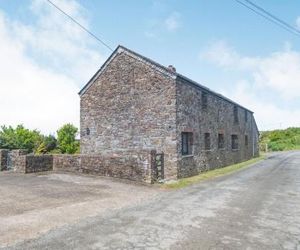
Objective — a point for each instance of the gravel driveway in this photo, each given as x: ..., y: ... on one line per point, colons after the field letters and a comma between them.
x: 32, y: 204
x: 256, y: 208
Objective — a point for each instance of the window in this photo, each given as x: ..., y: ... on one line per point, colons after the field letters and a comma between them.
x: 87, y: 131
x: 221, y: 141
x: 235, y: 114
x: 246, y: 140
x: 204, y: 100
x: 234, y: 142
x: 246, y: 116
x: 187, y: 143
x: 207, y: 141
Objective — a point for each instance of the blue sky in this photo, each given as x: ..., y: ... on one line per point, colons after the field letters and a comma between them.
x: 220, y: 44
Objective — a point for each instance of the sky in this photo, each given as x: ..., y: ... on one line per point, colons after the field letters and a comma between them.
x: 45, y: 59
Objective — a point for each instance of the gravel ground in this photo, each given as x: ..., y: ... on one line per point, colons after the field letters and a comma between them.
x: 255, y: 208
x: 33, y: 204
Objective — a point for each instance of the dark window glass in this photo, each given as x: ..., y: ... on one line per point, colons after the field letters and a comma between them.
x: 207, y: 141
x: 187, y: 143
x: 235, y: 114
x: 204, y: 100
x: 221, y: 141
x: 234, y: 142
x: 246, y: 140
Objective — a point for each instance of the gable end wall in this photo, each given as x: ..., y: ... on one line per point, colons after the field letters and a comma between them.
x: 130, y: 106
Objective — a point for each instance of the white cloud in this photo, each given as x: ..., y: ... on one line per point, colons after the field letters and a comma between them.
x: 159, y: 26
x: 298, y: 23
x: 42, y: 67
x: 280, y: 71
x: 268, y: 115
x: 172, y: 22
x: 277, y: 75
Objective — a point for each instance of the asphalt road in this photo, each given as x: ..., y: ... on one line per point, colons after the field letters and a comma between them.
x: 256, y: 208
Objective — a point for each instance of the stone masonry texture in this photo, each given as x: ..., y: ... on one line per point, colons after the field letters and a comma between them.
x: 3, y: 159
x: 68, y: 163
x: 132, y: 105
x: 132, y: 165
x: 217, y: 118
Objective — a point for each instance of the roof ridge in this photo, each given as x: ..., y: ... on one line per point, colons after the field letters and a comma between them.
x: 164, y: 68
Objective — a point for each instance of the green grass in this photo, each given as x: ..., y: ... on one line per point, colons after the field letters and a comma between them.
x: 181, y: 183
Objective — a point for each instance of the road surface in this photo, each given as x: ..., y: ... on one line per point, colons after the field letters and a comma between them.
x: 256, y: 208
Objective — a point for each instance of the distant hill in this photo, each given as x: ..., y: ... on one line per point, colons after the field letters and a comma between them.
x: 279, y: 140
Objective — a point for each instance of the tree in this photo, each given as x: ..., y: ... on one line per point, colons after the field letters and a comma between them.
x: 66, y: 138
x: 50, y: 143
x: 20, y: 138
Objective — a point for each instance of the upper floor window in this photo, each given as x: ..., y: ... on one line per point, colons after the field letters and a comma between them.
x: 221, y: 141
x: 204, y: 100
x: 235, y: 114
x: 234, y: 142
x: 246, y: 140
x: 207, y: 141
x: 246, y: 116
x: 187, y: 143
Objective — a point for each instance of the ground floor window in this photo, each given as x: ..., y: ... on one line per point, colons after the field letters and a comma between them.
x: 234, y: 142
x: 246, y: 140
x: 187, y: 143
x: 221, y: 141
x: 207, y: 141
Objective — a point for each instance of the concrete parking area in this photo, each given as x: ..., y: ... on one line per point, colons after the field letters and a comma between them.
x: 33, y: 204
x: 257, y: 207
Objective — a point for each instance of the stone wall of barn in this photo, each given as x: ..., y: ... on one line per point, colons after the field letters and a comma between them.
x: 216, y: 118
x: 131, y: 106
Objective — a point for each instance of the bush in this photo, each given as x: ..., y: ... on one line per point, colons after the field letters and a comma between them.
x: 279, y: 140
x: 20, y: 138
x: 66, y: 137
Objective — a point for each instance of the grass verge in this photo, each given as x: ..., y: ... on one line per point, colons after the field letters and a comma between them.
x: 211, y: 174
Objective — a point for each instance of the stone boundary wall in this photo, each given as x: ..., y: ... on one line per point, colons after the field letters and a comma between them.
x: 33, y: 163
x: 126, y: 165
x: 3, y: 159
x: 20, y: 164
x: 69, y: 163
x: 12, y: 157
x: 38, y: 163
x: 131, y: 165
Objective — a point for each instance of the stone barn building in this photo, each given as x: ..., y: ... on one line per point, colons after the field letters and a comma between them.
x: 133, y: 103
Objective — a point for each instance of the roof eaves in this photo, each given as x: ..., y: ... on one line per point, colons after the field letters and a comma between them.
x: 196, y: 84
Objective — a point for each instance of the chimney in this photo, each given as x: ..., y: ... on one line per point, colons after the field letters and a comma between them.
x: 172, y: 68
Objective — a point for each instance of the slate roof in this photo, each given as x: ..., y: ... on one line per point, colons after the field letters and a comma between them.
x: 159, y: 67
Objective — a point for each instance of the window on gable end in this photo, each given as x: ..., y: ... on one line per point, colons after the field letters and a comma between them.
x: 235, y: 114
x: 204, y: 100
